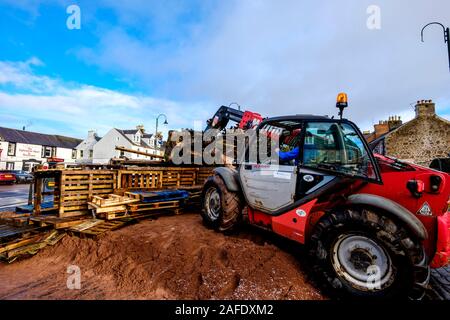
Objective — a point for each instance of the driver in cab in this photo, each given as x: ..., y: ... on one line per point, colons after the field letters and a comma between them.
x: 291, y: 149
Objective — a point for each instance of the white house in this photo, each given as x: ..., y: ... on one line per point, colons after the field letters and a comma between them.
x: 85, y: 150
x: 21, y: 150
x: 136, y: 139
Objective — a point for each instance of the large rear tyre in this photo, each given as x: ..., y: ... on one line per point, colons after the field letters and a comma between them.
x: 222, y: 209
x: 362, y: 253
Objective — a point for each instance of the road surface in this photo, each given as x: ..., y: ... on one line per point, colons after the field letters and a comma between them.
x: 13, y: 195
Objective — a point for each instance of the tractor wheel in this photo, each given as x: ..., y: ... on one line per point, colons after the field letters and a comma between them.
x: 362, y: 253
x: 222, y: 209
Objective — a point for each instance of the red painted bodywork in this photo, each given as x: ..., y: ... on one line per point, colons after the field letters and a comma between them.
x: 442, y: 255
x: 293, y: 226
x: 250, y: 120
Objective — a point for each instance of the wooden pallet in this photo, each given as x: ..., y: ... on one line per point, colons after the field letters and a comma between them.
x: 15, y: 219
x: 17, y: 243
x: 29, y: 245
x: 112, y: 200
x: 139, y: 207
x: 98, y: 229
x: 56, y: 222
x: 126, y: 216
x: 111, y: 204
x: 74, y: 188
x: 85, y: 225
x: 9, y: 232
x: 161, y: 178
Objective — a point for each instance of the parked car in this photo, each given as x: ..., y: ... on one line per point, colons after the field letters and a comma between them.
x: 7, y: 177
x: 23, y: 176
x: 441, y: 164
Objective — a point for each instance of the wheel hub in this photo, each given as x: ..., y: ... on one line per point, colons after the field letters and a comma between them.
x: 362, y: 262
x: 361, y: 259
x: 212, y: 203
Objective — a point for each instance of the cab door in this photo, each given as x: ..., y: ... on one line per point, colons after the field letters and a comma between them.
x: 269, y: 186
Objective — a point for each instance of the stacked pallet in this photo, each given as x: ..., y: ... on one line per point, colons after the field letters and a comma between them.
x: 162, y: 200
x: 79, y: 186
x: 156, y: 179
x: 16, y: 242
x: 137, y: 204
x: 111, y: 206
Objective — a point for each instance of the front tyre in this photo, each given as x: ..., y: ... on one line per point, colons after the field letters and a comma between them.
x: 363, y: 253
x: 222, y: 209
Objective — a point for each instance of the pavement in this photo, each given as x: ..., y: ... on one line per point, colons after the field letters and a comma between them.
x: 440, y: 283
x: 13, y: 195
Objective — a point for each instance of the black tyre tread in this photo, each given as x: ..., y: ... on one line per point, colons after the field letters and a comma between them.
x: 390, y: 232
x: 231, y: 203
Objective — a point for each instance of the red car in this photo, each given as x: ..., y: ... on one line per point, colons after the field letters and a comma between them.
x: 7, y: 177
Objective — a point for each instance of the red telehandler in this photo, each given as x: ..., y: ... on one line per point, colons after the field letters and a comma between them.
x: 373, y: 225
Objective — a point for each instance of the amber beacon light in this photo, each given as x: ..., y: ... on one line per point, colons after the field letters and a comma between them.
x: 341, y: 103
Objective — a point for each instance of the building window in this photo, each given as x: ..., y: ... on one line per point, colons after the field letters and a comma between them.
x: 91, y: 154
x: 48, y: 152
x: 11, y: 149
x: 81, y: 153
x: 309, y: 140
x: 10, y: 166
x: 74, y: 153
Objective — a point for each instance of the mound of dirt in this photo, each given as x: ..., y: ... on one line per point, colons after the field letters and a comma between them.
x: 168, y: 258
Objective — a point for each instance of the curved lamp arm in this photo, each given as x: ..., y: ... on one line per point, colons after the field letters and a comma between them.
x: 446, y: 36
x: 439, y: 24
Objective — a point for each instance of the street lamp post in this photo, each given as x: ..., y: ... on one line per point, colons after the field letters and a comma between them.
x: 156, y: 131
x: 446, y: 36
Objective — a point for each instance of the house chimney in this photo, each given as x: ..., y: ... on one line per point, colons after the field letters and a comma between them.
x: 425, y: 108
x: 92, y: 134
x: 381, y: 128
x: 394, y: 122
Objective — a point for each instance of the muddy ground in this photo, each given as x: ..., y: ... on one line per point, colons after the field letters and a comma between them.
x: 173, y: 257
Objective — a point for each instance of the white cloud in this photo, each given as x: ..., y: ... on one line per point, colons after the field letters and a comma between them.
x: 77, y: 108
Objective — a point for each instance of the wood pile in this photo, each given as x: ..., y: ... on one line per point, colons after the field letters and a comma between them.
x: 73, y: 189
x: 16, y: 242
x: 115, y: 198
